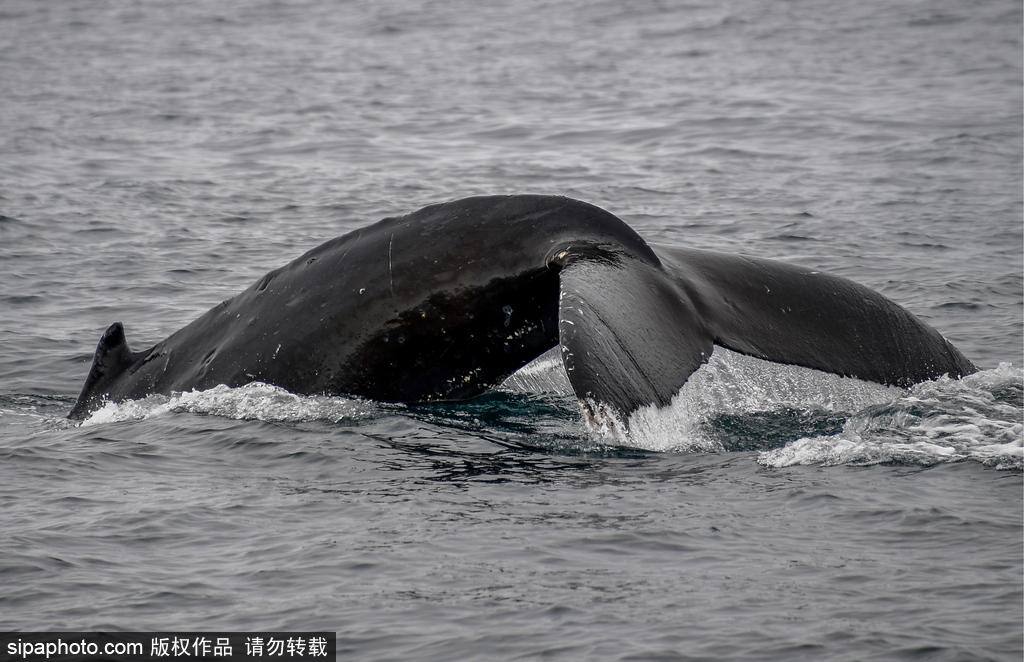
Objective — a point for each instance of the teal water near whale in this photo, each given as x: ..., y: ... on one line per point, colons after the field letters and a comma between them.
x: 161, y: 157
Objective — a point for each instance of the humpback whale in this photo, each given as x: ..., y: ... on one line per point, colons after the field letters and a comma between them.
x: 446, y: 302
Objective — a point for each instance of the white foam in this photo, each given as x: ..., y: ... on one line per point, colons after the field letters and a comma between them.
x: 978, y: 418
x: 256, y: 401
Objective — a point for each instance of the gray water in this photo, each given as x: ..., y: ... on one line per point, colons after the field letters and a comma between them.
x: 159, y: 157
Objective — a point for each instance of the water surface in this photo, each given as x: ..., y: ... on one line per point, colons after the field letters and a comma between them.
x: 160, y: 157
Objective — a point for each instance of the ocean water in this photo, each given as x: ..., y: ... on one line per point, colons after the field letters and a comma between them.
x: 160, y: 157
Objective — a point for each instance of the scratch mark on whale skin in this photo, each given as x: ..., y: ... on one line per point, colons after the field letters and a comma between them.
x: 391, y: 273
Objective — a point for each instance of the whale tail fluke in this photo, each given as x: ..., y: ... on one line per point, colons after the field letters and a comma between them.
x: 112, y: 358
x: 631, y: 333
x: 798, y: 316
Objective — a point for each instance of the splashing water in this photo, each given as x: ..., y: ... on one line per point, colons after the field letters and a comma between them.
x: 790, y: 415
x: 545, y: 374
x: 736, y: 402
x: 255, y: 401
x: 731, y: 384
x: 977, y: 418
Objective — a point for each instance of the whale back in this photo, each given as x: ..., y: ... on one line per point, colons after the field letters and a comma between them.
x: 440, y: 304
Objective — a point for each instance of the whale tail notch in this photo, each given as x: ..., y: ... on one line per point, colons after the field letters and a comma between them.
x: 112, y: 358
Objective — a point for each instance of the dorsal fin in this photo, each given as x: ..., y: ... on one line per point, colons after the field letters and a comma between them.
x: 111, y: 359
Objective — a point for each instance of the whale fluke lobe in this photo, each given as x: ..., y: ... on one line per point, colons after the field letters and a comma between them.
x: 629, y: 337
x: 790, y: 314
x: 446, y: 302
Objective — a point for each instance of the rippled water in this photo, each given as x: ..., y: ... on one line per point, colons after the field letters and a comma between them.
x: 160, y: 157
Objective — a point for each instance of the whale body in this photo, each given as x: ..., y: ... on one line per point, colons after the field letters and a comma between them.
x: 446, y: 302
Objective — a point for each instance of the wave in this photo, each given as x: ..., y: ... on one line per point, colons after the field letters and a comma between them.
x: 796, y: 416
x: 786, y: 414
x: 975, y: 418
x: 256, y: 402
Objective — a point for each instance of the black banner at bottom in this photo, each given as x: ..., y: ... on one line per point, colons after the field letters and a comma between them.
x: 167, y: 646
